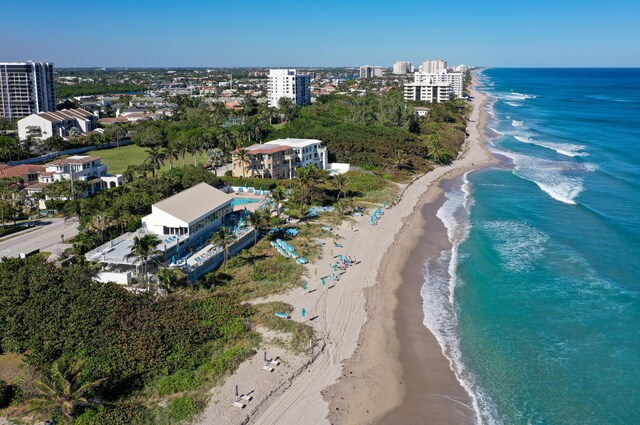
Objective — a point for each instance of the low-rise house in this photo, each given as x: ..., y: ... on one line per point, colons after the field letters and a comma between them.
x: 60, y: 123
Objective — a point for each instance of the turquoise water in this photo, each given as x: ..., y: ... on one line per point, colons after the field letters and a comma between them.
x: 242, y: 201
x: 538, y: 303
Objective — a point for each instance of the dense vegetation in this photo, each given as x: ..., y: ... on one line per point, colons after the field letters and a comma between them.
x: 381, y: 133
x: 124, y: 340
x: 82, y: 89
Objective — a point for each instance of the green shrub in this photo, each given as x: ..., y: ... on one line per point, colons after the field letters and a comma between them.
x: 182, y: 408
x: 119, y: 414
x: 181, y: 380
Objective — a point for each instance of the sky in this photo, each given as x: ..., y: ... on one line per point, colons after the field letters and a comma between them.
x: 278, y: 33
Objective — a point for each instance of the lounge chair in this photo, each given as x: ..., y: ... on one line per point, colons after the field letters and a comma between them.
x: 246, y: 397
x: 239, y: 405
x: 275, y: 362
x: 267, y: 368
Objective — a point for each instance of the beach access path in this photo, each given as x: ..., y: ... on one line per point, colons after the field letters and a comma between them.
x: 339, y: 314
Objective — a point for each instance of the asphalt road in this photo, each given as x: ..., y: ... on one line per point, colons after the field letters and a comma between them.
x: 45, y: 236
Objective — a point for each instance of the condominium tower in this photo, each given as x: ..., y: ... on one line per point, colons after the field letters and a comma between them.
x: 289, y: 84
x: 26, y: 88
x: 433, y: 66
x: 402, y: 67
x: 368, y: 71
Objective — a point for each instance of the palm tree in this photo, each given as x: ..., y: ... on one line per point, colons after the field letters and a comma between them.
x: 63, y: 390
x: 195, y: 147
x: 437, y: 151
x: 216, y: 158
x: 170, y: 278
x: 306, y: 176
x: 100, y: 223
x: 143, y: 248
x: 278, y: 196
x: 224, y: 240
x: 243, y: 159
x: 171, y: 153
x: 183, y: 147
x: 341, y: 184
x: 226, y: 138
x: 156, y: 158
x: 256, y: 219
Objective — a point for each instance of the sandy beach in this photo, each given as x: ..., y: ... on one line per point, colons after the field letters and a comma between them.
x: 373, y: 360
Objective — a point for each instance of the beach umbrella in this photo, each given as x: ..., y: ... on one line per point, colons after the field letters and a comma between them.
x: 237, y: 393
x: 304, y: 312
x: 322, y: 278
x: 304, y: 285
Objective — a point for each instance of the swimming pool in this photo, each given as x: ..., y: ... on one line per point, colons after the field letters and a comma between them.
x: 242, y: 201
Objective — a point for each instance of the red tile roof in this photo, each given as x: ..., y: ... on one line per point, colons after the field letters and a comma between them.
x: 20, y: 170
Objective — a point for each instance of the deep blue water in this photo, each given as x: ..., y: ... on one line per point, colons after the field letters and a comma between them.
x: 538, y: 303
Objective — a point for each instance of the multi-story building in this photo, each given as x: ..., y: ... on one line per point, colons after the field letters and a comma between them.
x: 427, y: 91
x: 266, y: 161
x: 26, y: 88
x: 368, y: 71
x: 455, y: 79
x: 433, y: 66
x: 47, y: 124
x: 280, y: 158
x: 287, y: 83
x: 402, y: 67
x: 89, y: 169
x: 305, y: 152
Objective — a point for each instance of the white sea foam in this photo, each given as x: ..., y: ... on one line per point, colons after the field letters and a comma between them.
x: 514, y: 104
x: 566, y: 149
x: 438, y: 293
x: 517, y: 123
x: 551, y: 176
x: 519, y: 245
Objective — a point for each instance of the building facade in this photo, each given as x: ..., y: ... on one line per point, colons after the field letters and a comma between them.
x: 402, y: 67
x: 305, y: 152
x: 368, y: 71
x: 266, y: 161
x: 288, y: 83
x: 26, y: 88
x: 47, y: 124
x: 455, y: 79
x: 433, y: 66
x: 427, y: 91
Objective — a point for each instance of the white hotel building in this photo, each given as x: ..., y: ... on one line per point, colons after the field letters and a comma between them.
x: 289, y: 84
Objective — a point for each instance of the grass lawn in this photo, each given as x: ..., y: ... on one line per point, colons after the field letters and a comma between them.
x: 118, y: 159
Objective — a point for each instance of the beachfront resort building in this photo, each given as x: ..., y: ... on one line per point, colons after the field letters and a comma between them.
x: 402, y: 67
x: 26, y: 88
x: 288, y: 83
x: 61, y: 123
x: 183, y: 224
x: 279, y: 159
x: 368, y: 71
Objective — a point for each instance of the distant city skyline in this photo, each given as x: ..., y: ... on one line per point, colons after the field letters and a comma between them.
x: 287, y: 33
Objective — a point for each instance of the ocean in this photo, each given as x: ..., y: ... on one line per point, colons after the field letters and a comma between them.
x: 538, y: 302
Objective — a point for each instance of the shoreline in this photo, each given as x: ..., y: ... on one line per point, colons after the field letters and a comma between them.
x: 400, y: 374
x: 321, y: 389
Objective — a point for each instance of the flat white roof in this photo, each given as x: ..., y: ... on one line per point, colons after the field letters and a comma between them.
x: 295, y: 143
x: 194, y: 202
